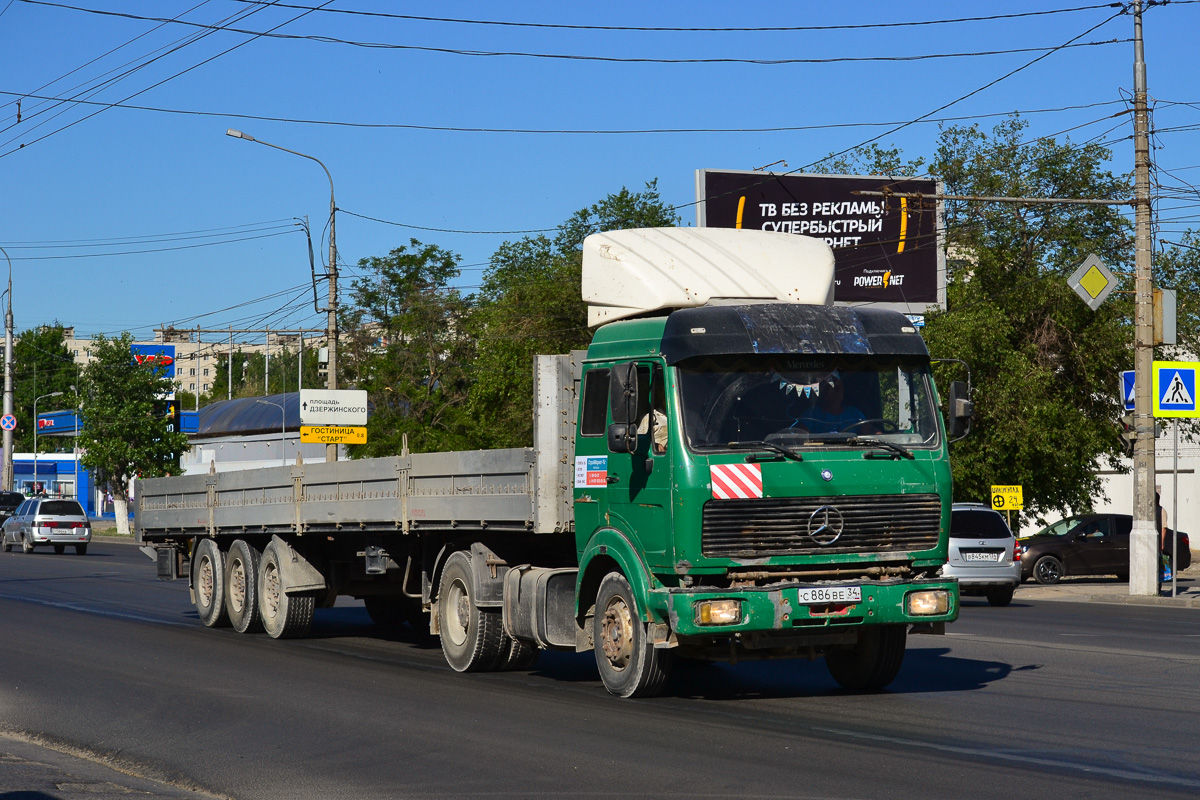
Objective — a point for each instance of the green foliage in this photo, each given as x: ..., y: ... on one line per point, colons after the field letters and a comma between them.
x: 530, y: 303
x: 125, y: 431
x: 405, y: 344
x: 41, y: 365
x: 870, y: 160
x: 1043, y: 365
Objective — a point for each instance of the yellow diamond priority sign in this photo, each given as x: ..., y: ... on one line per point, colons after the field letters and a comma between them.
x: 1007, y: 498
x: 1092, y: 281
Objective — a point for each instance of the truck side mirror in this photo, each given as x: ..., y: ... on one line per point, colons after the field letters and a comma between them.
x: 623, y: 393
x: 622, y: 438
x: 961, y: 410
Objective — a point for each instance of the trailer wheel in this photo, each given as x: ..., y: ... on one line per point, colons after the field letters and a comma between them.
x: 629, y: 664
x: 472, y: 637
x: 208, y: 583
x: 241, y: 587
x: 283, y: 616
x: 521, y: 655
x: 871, y: 664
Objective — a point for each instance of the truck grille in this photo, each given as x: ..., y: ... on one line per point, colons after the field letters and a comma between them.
x: 781, y: 526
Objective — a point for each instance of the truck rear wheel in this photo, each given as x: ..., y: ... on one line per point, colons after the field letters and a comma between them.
x: 283, y: 616
x: 871, y: 664
x: 208, y: 583
x: 629, y: 664
x: 472, y: 638
x: 241, y: 587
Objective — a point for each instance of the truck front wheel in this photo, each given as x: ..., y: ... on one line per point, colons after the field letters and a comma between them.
x: 284, y: 616
x: 241, y: 587
x: 629, y: 664
x: 871, y: 664
x: 472, y: 638
x: 208, y: 583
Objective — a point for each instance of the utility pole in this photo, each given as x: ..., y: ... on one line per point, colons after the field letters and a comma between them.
x: 6, y: 479
x: 1144, y: 541
x: 331, y: 326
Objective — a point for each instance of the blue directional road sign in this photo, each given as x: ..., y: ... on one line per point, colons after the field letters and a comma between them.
x: 1175, y: 388
x: 1127, y: 389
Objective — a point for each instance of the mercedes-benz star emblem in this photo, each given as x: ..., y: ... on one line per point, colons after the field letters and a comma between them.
x: 825, y: 525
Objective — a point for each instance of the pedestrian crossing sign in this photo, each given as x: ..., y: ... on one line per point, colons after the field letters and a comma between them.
x: 1175, y: 388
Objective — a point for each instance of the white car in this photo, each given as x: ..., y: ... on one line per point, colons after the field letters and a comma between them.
x: 47, y: 521
x: 982, y: 553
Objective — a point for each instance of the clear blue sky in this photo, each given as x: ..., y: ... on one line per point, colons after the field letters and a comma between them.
x: 143, y: 179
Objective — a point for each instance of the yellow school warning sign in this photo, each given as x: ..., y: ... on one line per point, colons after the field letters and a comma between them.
x: 333, y: 434
x: 1007, y: 498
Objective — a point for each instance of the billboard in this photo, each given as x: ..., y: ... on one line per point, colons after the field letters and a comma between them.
x: 161, y: 356
x: 887, y: 250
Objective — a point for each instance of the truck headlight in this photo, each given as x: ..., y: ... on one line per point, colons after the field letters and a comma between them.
x: 718, y: 612
x: 927, y: 603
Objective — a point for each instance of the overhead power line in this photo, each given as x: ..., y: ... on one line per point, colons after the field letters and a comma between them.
x: 274, y: 34
x: 564, y: 131
x: 726, y: 29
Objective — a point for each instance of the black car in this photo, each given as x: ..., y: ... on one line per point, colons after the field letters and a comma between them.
x: 1086, y: 544
x: 8, y: 504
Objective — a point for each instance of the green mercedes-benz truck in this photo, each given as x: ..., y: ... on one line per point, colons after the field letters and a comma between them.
x: 736, y: 468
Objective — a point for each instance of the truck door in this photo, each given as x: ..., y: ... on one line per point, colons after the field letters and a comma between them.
x: 641, y: 497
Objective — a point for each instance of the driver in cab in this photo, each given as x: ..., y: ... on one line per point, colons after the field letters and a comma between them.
x: 832, y: 414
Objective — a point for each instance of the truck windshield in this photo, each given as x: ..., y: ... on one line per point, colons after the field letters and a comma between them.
x: 795, y: 400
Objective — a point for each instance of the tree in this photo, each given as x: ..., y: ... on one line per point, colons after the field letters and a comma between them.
x: 405, y: 344
x: 531, y: 303
x: 1178, y: 267
x: 42, y: 364
x: 125, y: 431
x: 1043, y: 365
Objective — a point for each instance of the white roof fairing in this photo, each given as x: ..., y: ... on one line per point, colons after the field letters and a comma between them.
x: 631, y: 272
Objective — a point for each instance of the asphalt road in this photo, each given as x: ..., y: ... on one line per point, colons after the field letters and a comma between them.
x: 1040, y: 699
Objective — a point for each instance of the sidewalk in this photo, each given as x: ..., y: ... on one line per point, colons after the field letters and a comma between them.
x: 1111, y: 590
x: 29, y: 769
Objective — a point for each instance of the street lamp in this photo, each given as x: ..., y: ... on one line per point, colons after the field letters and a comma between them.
x: 331, y: 324
x: 282, y: 430
x: 35, y: 430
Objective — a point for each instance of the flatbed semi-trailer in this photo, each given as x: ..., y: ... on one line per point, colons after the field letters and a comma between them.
x: 735, y: 468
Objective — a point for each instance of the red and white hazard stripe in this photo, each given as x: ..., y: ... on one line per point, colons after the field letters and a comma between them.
x: 736, y: 481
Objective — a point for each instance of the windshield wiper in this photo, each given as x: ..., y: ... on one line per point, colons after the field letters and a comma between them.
x: 787, y: 452
x: 871, y: 442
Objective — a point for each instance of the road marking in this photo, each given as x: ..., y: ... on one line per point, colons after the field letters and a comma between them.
x: 100, y: 612
x: 1023, y: 757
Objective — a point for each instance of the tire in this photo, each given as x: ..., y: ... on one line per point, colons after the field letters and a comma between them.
x: 520, y: 656
x: 208, y: 583
x: 81, y: 549
x: 473, y: 638
x: 1048, y: 570
x: 629, y: 664
x: 283, y: 616
x: 873, y: 663
x: 26, y: 545
x: 999, y: 595
x: 241, y: 587
x: 5, y: 546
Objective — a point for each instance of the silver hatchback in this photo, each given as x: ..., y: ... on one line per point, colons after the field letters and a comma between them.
x: 47, y: 521
x: 981, y: 553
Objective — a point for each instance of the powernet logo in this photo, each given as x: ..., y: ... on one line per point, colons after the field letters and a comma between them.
x: 879, y: 280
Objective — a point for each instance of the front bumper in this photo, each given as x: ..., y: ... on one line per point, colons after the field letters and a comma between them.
x: 778, y: 607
